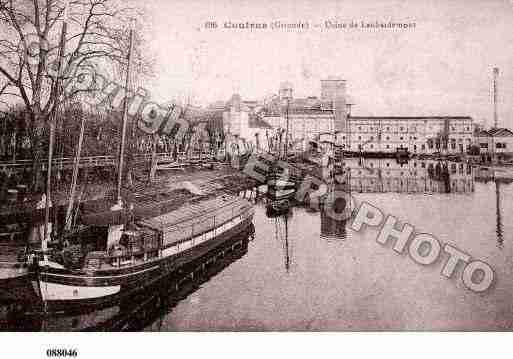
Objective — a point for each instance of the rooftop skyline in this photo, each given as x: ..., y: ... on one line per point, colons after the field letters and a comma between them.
x: 442, y: 66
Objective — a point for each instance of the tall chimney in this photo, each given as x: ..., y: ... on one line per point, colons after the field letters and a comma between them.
x: 495, y: 97
x: 333, y: 93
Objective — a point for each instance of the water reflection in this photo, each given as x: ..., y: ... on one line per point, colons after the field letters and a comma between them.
x: 314, y: 284
x: 280, y: 221
x: 414, y: 176
x: 331, y: 228
x: 138, y: 311
x: 499, y: 230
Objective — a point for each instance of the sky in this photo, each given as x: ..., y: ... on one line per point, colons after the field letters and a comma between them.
x: 442, y: 66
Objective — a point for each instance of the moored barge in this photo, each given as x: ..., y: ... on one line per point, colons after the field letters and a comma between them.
x: 127, y: 260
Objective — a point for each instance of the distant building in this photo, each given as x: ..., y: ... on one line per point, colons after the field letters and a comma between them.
x: 236, y: 117
x: 329, y: 118
x: 240, y: 119
x: 495, y: 141
x: 309, y: 117
x: 420, y: 135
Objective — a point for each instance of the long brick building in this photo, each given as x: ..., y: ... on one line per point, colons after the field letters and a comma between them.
x: 328, y: 117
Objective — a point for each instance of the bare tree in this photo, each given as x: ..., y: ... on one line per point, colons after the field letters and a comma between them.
x: 29, y: 47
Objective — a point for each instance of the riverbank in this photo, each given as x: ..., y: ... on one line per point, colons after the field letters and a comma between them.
x: 220, y: 178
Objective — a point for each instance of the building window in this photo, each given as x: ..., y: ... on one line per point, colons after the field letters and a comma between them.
x: 359, y: 128
x: 388, y: 146
x: 388, y: 128
x: 371, y: 146
x: 359, y: 138
x: 388, y: 138
x: 372, y: 138
x: 402, y: 128
x: 401, y: 138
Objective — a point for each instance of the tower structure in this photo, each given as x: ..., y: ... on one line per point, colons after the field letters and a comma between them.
x: 495, y: 97
x: 333, y: 94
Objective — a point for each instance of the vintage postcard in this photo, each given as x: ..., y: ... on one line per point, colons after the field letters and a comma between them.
x: 171, y: 166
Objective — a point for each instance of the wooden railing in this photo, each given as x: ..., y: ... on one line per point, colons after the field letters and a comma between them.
x: 99, y: 161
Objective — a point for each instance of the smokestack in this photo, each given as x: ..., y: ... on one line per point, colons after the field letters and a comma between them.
x: 495, y: 97
x: 333, y: 93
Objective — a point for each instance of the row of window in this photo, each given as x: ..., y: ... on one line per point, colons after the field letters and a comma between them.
x: 402, y: 138
x: 371, y: 138
x: 412, y: 129
x: 453, y: 167
x: 431, y: 186
x: 497, y: 145
x: 415, y: 147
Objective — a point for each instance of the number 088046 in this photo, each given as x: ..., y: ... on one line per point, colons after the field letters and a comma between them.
x: 61, y: 353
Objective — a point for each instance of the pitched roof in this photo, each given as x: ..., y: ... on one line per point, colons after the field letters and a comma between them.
x: 500, y: 132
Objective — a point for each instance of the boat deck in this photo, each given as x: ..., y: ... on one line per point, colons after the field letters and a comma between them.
x: 197, y: 218
x: 192, y: 211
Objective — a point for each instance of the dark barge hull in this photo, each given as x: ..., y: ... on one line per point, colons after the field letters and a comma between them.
x: 17, y: 288
x: 172, y: 289
x: 133, y: 280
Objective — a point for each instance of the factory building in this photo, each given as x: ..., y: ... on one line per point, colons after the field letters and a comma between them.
x: 312, y: 116
x: 495, y: 141
x: 419, y: 135
x: 328, y: 117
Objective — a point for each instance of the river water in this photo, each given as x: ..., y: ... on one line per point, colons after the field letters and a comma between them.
x: 322, y: 275
x: 307, y: 271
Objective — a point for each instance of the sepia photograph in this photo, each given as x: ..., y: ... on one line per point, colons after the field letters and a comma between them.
x: 255, y: 166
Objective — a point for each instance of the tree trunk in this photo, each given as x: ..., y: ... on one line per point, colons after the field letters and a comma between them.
x: 36, y: 166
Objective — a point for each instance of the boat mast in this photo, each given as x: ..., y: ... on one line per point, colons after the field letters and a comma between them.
x: 76, y: 164
x: 287, y: 131
x: 125, y: 115
x: 52, y: 121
